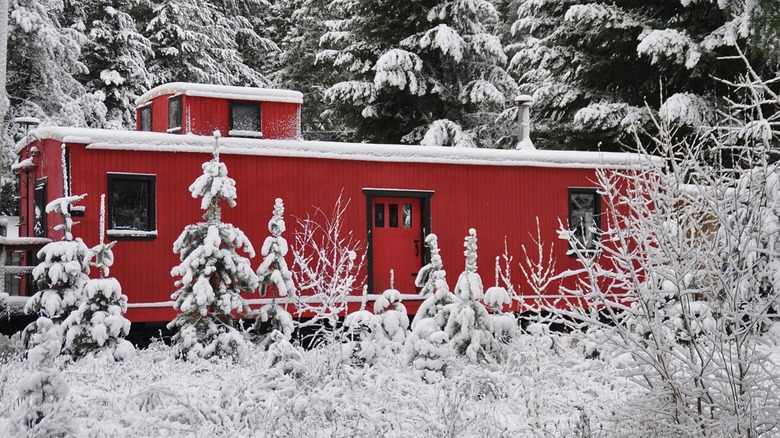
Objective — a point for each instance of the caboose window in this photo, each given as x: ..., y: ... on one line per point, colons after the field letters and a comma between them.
x: 584, y: 218
x: 244, y: 119
x: 131, y: 205
x: 174, y: 113
x: 146, y: 118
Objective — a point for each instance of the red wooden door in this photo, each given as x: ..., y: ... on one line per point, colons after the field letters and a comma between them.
x: 397, y: 240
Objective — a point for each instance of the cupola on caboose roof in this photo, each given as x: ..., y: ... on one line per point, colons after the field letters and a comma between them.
x: 188, y: 108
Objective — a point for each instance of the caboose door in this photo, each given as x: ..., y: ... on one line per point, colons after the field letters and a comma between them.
x: 397, y: 237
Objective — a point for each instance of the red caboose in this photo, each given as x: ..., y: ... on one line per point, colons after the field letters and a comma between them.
x: 398, y: 193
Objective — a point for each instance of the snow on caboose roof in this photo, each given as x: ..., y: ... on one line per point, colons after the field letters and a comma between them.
x: 163, y: 142
x: 221, y: 91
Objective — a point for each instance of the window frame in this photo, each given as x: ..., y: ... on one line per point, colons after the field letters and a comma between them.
x: 145, y: 113
x: 151, y: 218
x: 233, y: 132
x: 591, y: 249
x: 175, y: 99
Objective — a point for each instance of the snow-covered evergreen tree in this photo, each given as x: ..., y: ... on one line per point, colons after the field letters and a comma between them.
x: 99, y: 325
x: 60, y: 277
x: 198, y: 42
x: 44, y: 51
x: 213, y: 275
x: 593, y: 67
x: 115, y: 54
x: 431, y: 272
x: 427, y: 346
x: 273, y: 270
x: 468, y: 325
x: 415, y: 71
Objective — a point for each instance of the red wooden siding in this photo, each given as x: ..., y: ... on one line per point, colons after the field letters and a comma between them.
x: 281, y: 120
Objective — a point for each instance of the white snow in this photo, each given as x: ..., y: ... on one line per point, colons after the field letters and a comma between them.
x: 153, y: 141
x: 222, y: 92
x: 27, y: 163
x: 537, y: 391
x: 669, y: 44
x: 131, y: 233
x: 244, y: 133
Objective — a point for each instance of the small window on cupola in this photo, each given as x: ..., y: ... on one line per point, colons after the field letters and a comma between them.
x: 245, y: 119
x: 174, y: 114
x: 146, y: 118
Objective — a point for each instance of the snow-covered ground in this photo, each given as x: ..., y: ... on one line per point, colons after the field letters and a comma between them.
x: 544, y: 387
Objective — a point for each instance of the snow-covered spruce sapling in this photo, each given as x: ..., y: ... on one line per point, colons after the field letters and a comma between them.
x: 99, y: 325
x: 468, y: 326
x: 213, y: 275
x: 274, y: 274
x: 428, y: 274
x: 273, y: 270
x: 60, y: 277
x: 427, y: 347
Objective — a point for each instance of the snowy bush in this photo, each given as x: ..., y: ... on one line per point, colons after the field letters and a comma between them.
x: 503, y: 325
x: 431, y: 272
x: 327, y: 267
x: 273, y: 318
x: 41, y: 411
x: 361, y: 344
x: 687, y: 279
x: 212, y: 273
x: 392, y: 319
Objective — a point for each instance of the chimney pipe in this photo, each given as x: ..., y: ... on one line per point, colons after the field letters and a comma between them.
x: 524, y: 103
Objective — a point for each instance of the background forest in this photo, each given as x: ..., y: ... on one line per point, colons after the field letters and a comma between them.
x: 419, y: 72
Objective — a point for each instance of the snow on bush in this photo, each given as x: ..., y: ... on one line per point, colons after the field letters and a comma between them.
x: 295, y: 392
x: 392, y: 319
x: 431, y: 272
x: 212, y: 273
x: 503, y: 325
x: 361, y: 345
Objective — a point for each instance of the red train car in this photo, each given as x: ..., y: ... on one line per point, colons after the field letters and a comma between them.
x: 397, y: 193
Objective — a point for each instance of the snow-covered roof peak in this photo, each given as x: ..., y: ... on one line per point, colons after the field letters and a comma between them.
x: 221, y: 91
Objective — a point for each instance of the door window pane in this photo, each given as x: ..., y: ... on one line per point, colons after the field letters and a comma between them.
x: 407, y: 215
x: 379, y: 215
x: 393, y: 213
